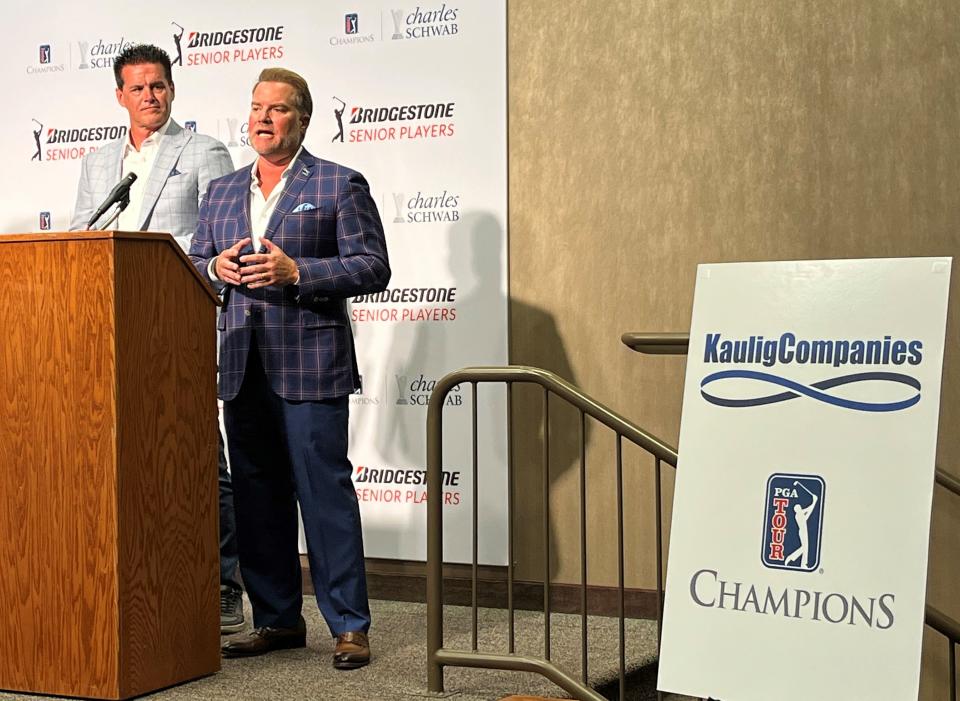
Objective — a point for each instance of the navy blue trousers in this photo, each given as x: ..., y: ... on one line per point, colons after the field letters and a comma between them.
x: 281, y: 453
x: 228, y: 525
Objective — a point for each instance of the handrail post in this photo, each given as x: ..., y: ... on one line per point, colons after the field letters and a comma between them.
x: 435, y: 538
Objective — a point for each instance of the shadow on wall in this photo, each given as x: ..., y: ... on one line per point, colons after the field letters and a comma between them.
x: 471, y: 332
x: 475, y: 266
x: 528, y: 447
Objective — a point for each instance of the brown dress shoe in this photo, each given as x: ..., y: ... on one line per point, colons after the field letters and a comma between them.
x: 352, y: 651
x: 266, y: 639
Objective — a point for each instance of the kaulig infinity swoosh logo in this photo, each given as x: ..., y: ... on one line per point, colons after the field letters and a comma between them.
x: 787, y: 349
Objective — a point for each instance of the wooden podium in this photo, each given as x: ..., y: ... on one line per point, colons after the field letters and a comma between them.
x: 109, y: 582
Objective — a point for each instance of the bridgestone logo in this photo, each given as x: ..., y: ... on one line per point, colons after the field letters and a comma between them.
x: 72, y: 136
x: 410, y: 295
x: 257, y: 35
x: 363, y: 115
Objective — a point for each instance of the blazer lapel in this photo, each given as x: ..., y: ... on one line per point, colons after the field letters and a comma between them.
x: 171, y: 145
x: 299, y: 174
x: 243, y: 194
x: 119, y: 144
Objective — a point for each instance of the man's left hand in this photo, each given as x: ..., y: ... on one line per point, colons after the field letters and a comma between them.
x: 271, y: 268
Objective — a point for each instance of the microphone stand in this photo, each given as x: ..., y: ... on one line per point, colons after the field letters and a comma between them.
x: 121, y: 205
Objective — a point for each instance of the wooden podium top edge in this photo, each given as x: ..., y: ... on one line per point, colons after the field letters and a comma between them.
x: 82, y: 236
x: 39, y: 237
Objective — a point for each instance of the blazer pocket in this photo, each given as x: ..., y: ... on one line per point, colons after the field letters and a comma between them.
x: 305, y: 221
x: 319, y: 212
x: 313, y: 320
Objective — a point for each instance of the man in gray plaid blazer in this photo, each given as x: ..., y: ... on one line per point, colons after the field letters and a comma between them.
x: 174, y: 168
x: 183, y: 162
x: 292, y: 237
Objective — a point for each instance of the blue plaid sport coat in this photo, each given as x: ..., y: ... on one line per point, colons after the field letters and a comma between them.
x: 328, y: 223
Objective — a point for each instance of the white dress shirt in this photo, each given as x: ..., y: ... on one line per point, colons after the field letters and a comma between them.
x: 139, y: 162
x: 261, y: 208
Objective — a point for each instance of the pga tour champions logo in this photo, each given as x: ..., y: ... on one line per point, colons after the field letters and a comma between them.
x: 792, y: 540
x: 351, y: 32
x: 45, y: 63
x: 793, y: 522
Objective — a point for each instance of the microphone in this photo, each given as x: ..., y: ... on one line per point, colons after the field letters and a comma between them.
x: 119, y: 193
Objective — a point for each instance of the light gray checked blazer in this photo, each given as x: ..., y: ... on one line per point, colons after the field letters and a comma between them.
x: 185, y: 165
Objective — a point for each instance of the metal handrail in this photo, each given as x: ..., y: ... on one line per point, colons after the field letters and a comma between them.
x: 437, y: 656
x: 657, y: 343
x: 942, y: 623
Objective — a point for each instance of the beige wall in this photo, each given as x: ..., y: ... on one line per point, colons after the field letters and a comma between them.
x: 647, y: 136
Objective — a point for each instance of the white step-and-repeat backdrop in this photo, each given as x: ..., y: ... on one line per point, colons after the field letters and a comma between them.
x: 411, y: 94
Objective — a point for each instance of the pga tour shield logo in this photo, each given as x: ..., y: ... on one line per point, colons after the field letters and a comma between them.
x: 793, y: 522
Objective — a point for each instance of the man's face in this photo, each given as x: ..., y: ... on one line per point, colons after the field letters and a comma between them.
x: 276, y: 127
x: 146, y: 94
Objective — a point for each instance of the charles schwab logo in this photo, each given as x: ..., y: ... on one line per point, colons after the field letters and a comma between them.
x: 408, y: 122
x: 71, y: 143
x: 793, y: 522
x: 215, y: 46
x: 406, y: 304
x: 790, y: 350
x: 425, y: 207
x: 45, y: 62
x: 416, y: 390
x: 425, y: 22
x: 351, y: 32
x: 233, y: 131
x: 99, y: 53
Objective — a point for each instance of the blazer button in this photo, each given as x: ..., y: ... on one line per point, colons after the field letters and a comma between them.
x: 247, y: 312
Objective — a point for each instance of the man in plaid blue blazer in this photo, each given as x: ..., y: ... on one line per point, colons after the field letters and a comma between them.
x: 291, y: 238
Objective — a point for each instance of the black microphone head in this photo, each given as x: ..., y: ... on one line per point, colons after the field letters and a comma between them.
x: 119, y: 193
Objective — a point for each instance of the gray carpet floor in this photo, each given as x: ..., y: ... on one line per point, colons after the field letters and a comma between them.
x: 398, y: 669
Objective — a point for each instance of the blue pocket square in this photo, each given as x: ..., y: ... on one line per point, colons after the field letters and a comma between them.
x: 304, y: 207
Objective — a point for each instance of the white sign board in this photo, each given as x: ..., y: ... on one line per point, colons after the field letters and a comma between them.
x: 798, y: 552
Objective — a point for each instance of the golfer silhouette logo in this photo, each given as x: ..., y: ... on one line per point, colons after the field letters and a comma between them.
x: 793, y: 522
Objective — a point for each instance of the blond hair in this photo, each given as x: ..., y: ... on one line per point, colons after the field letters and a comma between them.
x: 301, y: 93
